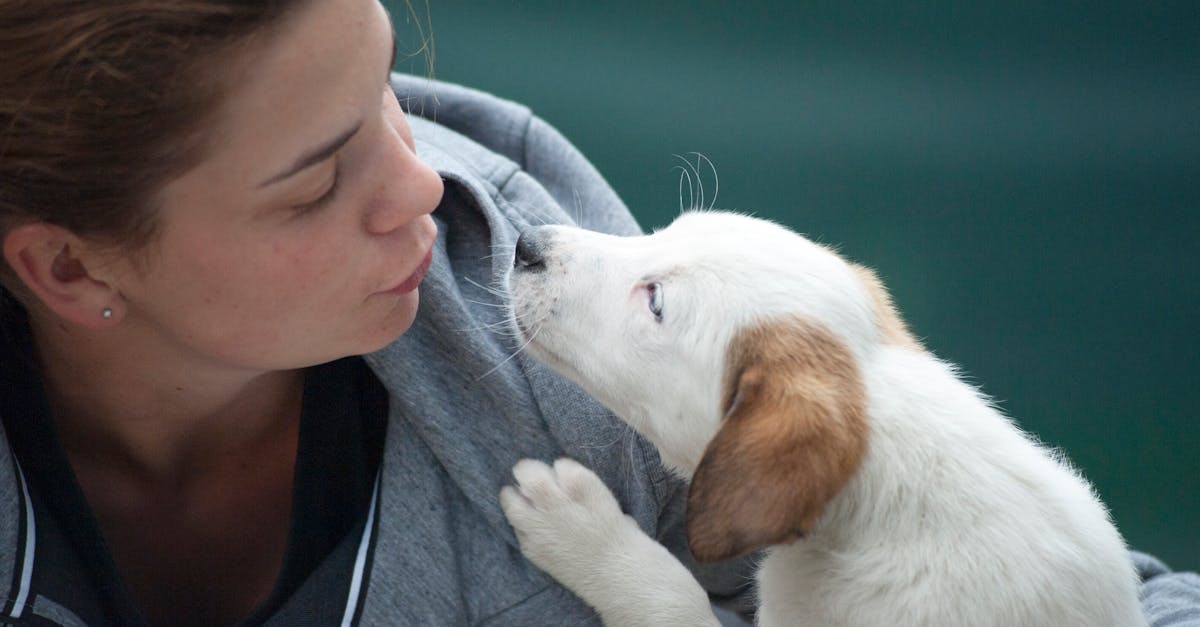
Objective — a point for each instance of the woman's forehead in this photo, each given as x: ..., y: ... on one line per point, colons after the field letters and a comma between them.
x: 298, y: 88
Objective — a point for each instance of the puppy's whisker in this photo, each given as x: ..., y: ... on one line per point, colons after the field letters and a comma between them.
x: 500, y: 327
x: 495, y: 291
x: 685, y: 171
x: 514, y: 354
x: 499, y: 252
x: 543, y: 217
x: 603, y: 445
x: 578, y: 217
x: 685, y: 175
x: 540, y: 215
x: 483, y: 304
x: 691, y: 176
x: 699, y: 183
x: 716, y: 179
x: 536, y: 323
x: 497, y: 324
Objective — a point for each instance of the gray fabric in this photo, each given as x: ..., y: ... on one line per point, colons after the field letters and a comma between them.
x: 56, y: 613
x: 1169, y: 599
x: 10, y: 519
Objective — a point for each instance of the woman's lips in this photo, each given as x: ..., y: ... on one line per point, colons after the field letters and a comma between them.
x: 414, y: 279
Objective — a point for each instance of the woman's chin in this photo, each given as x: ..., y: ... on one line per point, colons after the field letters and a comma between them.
x: 396, y: 322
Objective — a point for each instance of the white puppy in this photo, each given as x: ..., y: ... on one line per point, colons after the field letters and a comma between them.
x: 778, y: 378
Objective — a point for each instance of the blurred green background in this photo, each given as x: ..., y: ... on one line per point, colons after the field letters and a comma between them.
x: 1025, y: 177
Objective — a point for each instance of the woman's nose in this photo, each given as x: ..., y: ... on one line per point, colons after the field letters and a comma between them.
x: 408, y: 190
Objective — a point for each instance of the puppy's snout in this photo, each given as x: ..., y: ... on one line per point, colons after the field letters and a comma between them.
x: 531, y: 247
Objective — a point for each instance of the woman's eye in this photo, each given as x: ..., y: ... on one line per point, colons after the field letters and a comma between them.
x: 656, y: 300
x: 323, y: 199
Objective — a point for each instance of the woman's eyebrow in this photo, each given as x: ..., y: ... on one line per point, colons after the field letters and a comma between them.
x: 324, y: 151
x: 315, y: 156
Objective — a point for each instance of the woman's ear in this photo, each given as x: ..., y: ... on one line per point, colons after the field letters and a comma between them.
x: 49, y: 260
x: 794, y: 432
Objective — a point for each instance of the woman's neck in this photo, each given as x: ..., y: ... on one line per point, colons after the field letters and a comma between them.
x: 160, y: 416
x: 202, y: 455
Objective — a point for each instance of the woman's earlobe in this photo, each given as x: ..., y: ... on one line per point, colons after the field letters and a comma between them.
x: 46, y: 259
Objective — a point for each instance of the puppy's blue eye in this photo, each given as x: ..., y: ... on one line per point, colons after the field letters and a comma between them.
x: 656, y: 300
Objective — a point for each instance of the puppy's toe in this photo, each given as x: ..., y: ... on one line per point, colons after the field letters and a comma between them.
x: 512, y: 502
x: 567, y: 493
x: 531, y: 471
x: 537, y: 482
x: 581, y: 484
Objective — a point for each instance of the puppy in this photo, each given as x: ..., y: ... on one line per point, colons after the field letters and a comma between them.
x: 779, y: 379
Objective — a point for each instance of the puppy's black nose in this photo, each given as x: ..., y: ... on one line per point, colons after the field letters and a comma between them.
x: 530, y: 248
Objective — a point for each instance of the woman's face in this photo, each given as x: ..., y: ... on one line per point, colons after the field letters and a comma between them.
x: 302, y: 235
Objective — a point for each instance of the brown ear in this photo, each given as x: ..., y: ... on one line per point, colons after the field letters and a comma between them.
x: 794, y: 432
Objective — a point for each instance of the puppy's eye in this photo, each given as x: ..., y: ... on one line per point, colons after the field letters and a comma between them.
x: 656, y: 300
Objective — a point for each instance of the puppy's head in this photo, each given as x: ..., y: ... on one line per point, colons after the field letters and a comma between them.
x: 732, y: 344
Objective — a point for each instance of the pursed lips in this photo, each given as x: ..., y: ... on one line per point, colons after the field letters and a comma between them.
x: 413, y: 280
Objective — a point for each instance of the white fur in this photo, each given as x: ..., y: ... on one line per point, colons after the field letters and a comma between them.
x: 954, y: 517
x: 569, y: 524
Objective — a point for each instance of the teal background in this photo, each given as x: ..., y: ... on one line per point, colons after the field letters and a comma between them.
x: 1025, y: 177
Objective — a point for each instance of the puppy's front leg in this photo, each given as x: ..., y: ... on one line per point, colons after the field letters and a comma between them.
x: 570, y: 525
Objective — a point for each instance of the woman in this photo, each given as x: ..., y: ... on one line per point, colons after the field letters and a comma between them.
x: 209, y: 208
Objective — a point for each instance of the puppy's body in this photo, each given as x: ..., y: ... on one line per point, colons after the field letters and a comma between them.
x: 778, y: 379
x: 954, y: 518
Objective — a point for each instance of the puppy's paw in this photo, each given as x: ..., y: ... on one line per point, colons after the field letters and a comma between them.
x: 570, y: 525
x: 564, y: 516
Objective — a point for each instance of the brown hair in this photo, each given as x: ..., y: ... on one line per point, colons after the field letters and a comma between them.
x: 101, y: 104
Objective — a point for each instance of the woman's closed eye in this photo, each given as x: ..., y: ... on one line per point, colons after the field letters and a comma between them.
x: 325, y: 198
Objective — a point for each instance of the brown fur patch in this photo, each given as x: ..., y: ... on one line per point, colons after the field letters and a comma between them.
x: 794, y: 432
x: 891, y: 327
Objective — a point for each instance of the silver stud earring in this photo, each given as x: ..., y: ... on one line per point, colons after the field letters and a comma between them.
x: 107, y: 313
